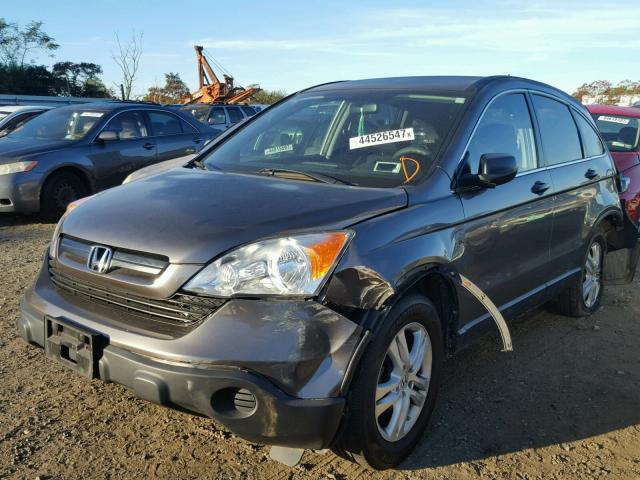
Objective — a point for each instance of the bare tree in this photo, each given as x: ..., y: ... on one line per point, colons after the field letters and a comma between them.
x: 128, y: 59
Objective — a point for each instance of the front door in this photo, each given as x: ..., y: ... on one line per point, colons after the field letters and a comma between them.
x: 133, y: 149
x: 508, y: 228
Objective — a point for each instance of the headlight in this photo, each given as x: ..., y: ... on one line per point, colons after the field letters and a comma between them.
x: 296, y: 265
x: 17, y: 167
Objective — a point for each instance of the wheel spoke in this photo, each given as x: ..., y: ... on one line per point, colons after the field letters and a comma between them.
x: 418, y: 396
x: 387, y: 402
x: 394, y: 355
x: 399, y: 418
x: 586, y: 288
x: 418, y: 351
x: 386, y: 387
x: 403, y: 350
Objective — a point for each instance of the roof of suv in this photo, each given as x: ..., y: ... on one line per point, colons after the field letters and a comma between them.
x: 469, y: 84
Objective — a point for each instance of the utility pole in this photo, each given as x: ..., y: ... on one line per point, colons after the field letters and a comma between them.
x: 122, y: 91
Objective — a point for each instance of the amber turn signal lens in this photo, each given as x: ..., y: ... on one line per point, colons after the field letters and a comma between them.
x: 75, y: 204
x: 323, y: 254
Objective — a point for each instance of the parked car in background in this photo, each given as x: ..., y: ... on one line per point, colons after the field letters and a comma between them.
x: 620, y: 129
x: 157, y: 168
x: 219, y: 116
x: 303, y: 279
x: 14, y: 116
x: 73, y: 151
x: 258, y: 107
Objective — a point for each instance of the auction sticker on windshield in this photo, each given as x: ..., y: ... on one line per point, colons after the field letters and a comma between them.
x: 278, y: 149
x: 91, y: 114
x: 390, y: 136
x: 605, y: 118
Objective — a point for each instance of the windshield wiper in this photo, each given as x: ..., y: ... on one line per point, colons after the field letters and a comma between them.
x: 316, y: 177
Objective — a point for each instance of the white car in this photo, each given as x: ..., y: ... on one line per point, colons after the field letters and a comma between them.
x: 13, y: 116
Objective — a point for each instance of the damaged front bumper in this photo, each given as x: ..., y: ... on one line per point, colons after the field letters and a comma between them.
x: 273, y: 372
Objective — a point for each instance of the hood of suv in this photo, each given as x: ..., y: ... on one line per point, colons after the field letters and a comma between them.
x: 12, y: 149
x: 192, y: 216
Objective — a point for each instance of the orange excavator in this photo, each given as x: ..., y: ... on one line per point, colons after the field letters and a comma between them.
x: 212, y: 90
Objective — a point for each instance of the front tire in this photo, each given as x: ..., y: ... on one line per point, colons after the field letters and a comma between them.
x: 394, y: 390
x: 58, y: 192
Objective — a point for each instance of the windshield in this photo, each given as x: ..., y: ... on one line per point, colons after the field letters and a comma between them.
x: 199, y: 112
x: 622, y: 134
x: 3, y: 115
x: 374, y: 139
x: 59, y: 124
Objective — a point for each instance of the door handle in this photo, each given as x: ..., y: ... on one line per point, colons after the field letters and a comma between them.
x: 197, y: 140
x: 148, y: 146
x: 540, y: 187
x: 591, y: 174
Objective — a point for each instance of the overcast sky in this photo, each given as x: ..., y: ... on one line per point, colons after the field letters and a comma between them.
x: 294, y: 44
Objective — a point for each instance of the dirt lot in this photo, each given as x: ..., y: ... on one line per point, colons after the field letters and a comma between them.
x: 565, y: 404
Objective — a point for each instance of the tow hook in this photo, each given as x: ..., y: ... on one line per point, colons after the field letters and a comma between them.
x: 474, y: 290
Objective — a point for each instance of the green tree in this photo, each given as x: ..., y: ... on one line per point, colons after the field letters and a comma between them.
x: 79, y: 80
x: 173, y: 91
x: 18, y: 45
x: 267, y: 97
x: 27, y: 80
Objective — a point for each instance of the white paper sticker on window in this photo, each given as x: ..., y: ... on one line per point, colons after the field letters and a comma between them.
x: 390, y: 136
x: 605, y: 118
x: 279, y: 149
x: 91, y: 114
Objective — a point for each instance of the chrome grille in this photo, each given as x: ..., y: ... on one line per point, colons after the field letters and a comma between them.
x: 78, y: 251
x: 180, y: 309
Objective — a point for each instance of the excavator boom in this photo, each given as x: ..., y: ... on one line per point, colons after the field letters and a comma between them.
x: 212, y: 90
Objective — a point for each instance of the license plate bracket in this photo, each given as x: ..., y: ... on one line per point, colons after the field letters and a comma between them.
x: 74, y: 346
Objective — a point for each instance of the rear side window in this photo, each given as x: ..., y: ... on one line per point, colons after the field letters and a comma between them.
x: 559, y: 133
x: 248, y: 111
x: 591, y: 144
x: 164, y: 124
x: 505, y: 128
x: 217, y: 116
x: 234, y: 114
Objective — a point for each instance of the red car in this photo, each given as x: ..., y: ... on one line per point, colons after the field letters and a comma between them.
x: 620, y: 129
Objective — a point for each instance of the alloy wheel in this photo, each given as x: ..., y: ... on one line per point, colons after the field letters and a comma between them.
x: 592, y: 275
x: 403, y: 382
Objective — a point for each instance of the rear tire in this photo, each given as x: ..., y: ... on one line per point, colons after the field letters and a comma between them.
x: 370, y: 437
x: 58, y: 192
x: 584, y: 296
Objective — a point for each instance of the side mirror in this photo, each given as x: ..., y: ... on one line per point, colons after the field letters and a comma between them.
x: 495, y: 169
x: 108, y: 136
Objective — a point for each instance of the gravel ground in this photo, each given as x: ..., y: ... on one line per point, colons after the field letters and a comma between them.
x: 564, y: 405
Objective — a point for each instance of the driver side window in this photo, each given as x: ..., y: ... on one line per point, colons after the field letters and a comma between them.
x: 505, y: 128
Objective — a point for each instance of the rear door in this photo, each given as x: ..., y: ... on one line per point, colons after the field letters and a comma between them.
x: 583, y: 176
x: 114, y: 160
x: 508, y: 230
x: 174, y: 136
